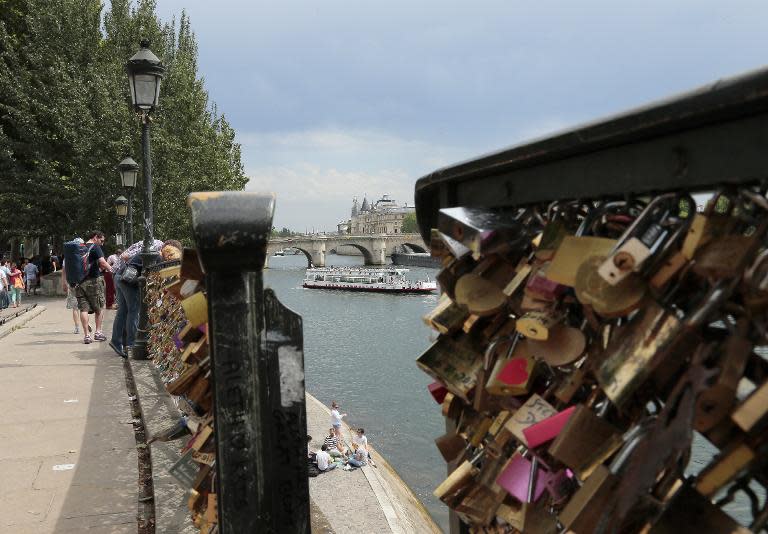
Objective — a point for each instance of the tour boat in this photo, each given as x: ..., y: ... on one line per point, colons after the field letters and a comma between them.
x: 280, y: 252
x: 364, y: 279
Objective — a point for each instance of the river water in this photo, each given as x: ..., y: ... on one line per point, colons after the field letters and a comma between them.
x: 360, y: 350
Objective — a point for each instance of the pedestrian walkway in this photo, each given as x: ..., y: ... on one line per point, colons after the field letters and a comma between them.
x: 67, y: 449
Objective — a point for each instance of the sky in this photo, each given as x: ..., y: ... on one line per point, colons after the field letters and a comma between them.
x: 335, y: 99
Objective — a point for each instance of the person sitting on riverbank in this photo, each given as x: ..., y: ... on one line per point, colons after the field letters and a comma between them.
x: 323, y: 459
x: 359, y: 458
x: 332, y: 442
x: 360, y: 442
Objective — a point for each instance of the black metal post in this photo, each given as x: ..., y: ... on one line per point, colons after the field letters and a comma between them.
x: 122, y: 230
x: 148, y: 257
x: 130, y: 217
x: 257, y: 357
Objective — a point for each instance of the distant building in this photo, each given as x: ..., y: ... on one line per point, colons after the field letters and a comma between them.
x: 384, y: 216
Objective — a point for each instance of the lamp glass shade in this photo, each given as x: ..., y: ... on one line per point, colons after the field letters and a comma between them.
x: 121, y: 206
x: 129, y: 171
x: 145, y: 90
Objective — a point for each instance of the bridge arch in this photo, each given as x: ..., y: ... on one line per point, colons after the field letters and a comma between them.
x: 367, y: 255
x: 305, y: 252
x: 414, y: 247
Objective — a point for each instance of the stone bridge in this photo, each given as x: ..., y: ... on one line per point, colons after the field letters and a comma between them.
x: 374, y: 247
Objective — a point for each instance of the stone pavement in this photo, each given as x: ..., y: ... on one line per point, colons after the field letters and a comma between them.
x: 67, y: 450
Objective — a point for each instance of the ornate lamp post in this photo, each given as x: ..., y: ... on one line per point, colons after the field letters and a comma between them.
x: 144, y: 74
x: 129, y: 171
x: 121, y: 208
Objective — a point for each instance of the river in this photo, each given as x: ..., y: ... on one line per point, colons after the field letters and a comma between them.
x: 360, y: 350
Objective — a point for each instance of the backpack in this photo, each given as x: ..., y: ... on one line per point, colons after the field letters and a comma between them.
x: 76, y: 264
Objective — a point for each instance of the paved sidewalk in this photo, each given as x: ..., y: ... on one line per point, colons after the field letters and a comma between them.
x: 67, y: 451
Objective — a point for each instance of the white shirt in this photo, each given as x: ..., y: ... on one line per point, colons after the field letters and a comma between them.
x: 361, y: 441
x: 323, y: 459
x: 335, y: 417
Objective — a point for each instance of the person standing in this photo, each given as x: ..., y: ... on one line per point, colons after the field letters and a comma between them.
x: 90, y: 292
x: 336, y: 419
x: 15, y: 285
x: 127, y: 298
x: 71, y: 299
x: 4, y: 299
x: 30, y: 277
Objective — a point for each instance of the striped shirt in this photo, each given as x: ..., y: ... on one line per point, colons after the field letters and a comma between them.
x: 134, y: 249
x: 331, y: 442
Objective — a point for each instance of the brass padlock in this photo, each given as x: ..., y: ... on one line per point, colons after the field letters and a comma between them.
x: 447, y: 317
x: 607, y: 300
x: 724, y: 468
x: 563, y: 345
x: 537, y: 324
x: 514, y: 373
x: 751, y: 414
x: 572, y: 253
x: 689, y: 511
x: 631, y: 357
x: 480, y: 296
x: 454, y: 362
x: 585, y: 442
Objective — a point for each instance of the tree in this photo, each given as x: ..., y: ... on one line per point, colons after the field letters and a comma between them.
x: 410, y: 225
x: 65, y: 119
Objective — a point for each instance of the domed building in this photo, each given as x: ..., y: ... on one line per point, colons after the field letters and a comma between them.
x: 385, y: 216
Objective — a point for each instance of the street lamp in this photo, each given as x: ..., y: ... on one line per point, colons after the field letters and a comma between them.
x: 144, y: 74
x: 121, y: 208
x: 129, y: 171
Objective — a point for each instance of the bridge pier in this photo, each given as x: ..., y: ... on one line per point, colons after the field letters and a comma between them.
x: 378, y: 252
x: 318, y: 253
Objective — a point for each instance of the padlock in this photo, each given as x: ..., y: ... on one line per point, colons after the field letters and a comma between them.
x: 196, y: 309
x: 729, y: 255
x: 547, y: 429
x: 457, y: 483
x: 191, y: 269
x: 521, y: 275
x: 585, y: 442
x: 514, y: 373
x: 724, y: 468
x: 715, y: 402
x: 563, y: 345
x: 536, y: 325
x: 671, y: 266
x: 551, y: 237
x: 572, y: 253
x: 447, y: 317
x: 705, y: 226
x: 540, y: 287
x: 450, y: 274
x: 689, y: 511
x: 481, y: 230
x: 751, y: 414
x: 451, y: 446
x: 516, y: 477
x: 642, y: 238
x: 534, y: 410
x: 480, y: 296
x: 607, y: 300
x: 632, y: 356
x: 569, y: 385
x: 185, y: 381
x: 479, y: 505
x: 453, y: 362
x: 437, y: 247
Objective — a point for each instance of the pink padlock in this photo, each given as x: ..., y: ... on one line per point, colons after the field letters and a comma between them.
x: 438, y: 391
x: 547, y: 429
x: 542, y: 288
x: 516, y: 476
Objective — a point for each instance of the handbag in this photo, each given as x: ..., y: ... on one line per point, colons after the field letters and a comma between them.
x: 130, y: 275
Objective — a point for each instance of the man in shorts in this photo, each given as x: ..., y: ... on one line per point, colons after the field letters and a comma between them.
x: 91, y: 292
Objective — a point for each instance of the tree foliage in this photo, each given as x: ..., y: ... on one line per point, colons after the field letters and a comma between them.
x: 410, y: 225
x: 65, y: 119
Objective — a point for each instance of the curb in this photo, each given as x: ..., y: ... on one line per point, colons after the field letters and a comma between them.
x: 21, y: 320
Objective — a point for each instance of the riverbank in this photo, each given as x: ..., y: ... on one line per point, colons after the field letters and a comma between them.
x: 369, y: 499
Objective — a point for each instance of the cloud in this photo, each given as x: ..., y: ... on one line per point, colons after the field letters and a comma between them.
x: 316, y: 172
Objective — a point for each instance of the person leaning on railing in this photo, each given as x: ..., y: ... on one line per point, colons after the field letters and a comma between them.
x: 127, y: 290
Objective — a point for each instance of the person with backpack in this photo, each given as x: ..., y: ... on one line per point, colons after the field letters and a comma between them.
x: 30, y: 276
x: 70, y: 290
x: 90, y: 291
